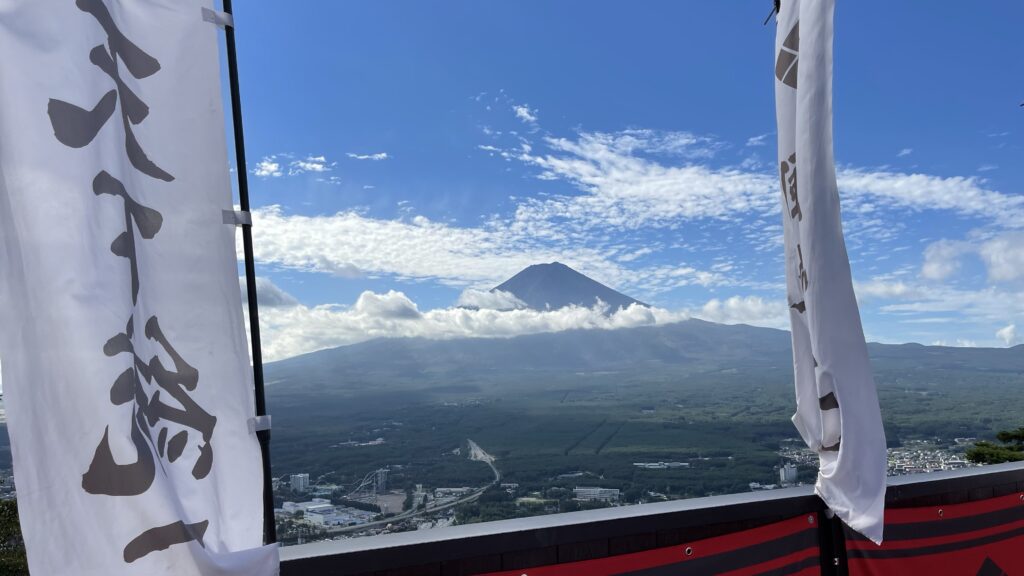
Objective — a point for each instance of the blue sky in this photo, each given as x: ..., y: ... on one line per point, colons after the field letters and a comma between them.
x: 404, y: 155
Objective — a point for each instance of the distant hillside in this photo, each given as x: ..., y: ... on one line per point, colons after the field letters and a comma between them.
x: 598, y: 401
x: 555, y: 285
x: 692, y: 346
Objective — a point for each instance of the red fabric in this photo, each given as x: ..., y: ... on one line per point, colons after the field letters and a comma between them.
x: 979, y: 549
x: 730, y: 544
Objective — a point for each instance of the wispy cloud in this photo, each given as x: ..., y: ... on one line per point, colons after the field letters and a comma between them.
x: 309, y: 164
x: 629, y: 208
x: 1008, y: 334
x: 349, y: 243
x: 752, y: 310
x: 490, y: 299
x: 961, y: 195
x: 377, y: 156
x: 1002, y: 255
x: 957, y: 343
x: 627, y: 181
x: 759, y: 140
x: 905, y: 152
x: 277, y: 165
x: 624, y: 189
x: 268, y: 294
x: 525, y: 113
x: 268, y: 167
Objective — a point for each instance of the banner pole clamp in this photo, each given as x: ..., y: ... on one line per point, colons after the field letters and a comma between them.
x: 220, y: 19
x: 259, y: 423
x: 237, y: 217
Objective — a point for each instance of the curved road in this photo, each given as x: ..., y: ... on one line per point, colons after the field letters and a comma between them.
x: 475, y: 453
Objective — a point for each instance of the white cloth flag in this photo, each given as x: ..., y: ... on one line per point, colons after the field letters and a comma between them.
x: 125, y: 368
x: 837, y: 405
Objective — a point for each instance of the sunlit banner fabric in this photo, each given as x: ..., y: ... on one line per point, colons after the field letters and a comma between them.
x: 127, y: 382
x: 837, y: 405
x: 984, y: 538
x: 789, y: 547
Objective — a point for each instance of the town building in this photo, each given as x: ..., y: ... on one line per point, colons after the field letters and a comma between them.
x: 299, y: 482
x: 788, y: 474
x: 595, y: 494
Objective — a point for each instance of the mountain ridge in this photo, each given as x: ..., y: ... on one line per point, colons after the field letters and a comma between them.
x: 688, y: 346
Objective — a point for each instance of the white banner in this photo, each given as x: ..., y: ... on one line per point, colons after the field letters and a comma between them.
x: 125, y: 366
x: 837, y: 405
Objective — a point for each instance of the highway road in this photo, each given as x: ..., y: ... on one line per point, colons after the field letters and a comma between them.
x: 475, y: 453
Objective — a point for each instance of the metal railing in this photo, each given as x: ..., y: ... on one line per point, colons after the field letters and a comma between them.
x: 559, y: 538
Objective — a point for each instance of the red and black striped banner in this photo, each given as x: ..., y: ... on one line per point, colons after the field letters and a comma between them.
x: 789, y: 547
x: 983, y: 538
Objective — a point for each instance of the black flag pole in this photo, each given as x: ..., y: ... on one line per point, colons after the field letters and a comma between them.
x: 776, y: 5
x: 269, y: 529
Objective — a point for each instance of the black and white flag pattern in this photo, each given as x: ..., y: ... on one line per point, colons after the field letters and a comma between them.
x: 126, y: 372
x: 837, y: 405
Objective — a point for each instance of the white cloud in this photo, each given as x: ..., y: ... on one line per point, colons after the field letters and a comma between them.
x: 962, y: 195
x: 759, y: 140
x: 958, y: 343
x: 905, y: 152
x: 310, y: 164
x: 752, y: 310
x: 271, y: 166
x: 376, y: 156
x: 1002, y: 254
x: 391, y: 306
x: 490, y: 299
x: 268, y: 294
x: 623, y: 188
x: 987, y: 167
x: 626, y: 190
x: 941, y: 259
x: 524, y: 113
x: 987, y: 305
x: 351, y: 244
x: 882, y: 289
x: 635, y: 254
x: 634, y: 185
x: 1008, y: 334
x: 267, y: 167
x: 289, y: 331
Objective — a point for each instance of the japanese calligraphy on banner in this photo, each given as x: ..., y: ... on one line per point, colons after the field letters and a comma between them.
x: 126, y: 374
x: 837, y: 404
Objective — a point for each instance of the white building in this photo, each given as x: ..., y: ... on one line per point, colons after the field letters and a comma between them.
x: 299, y: 482
x: 594, y: 494
x: 380, y: 480
x: 788, y: 474
x: 319, y: 504
x: 443, y: 492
